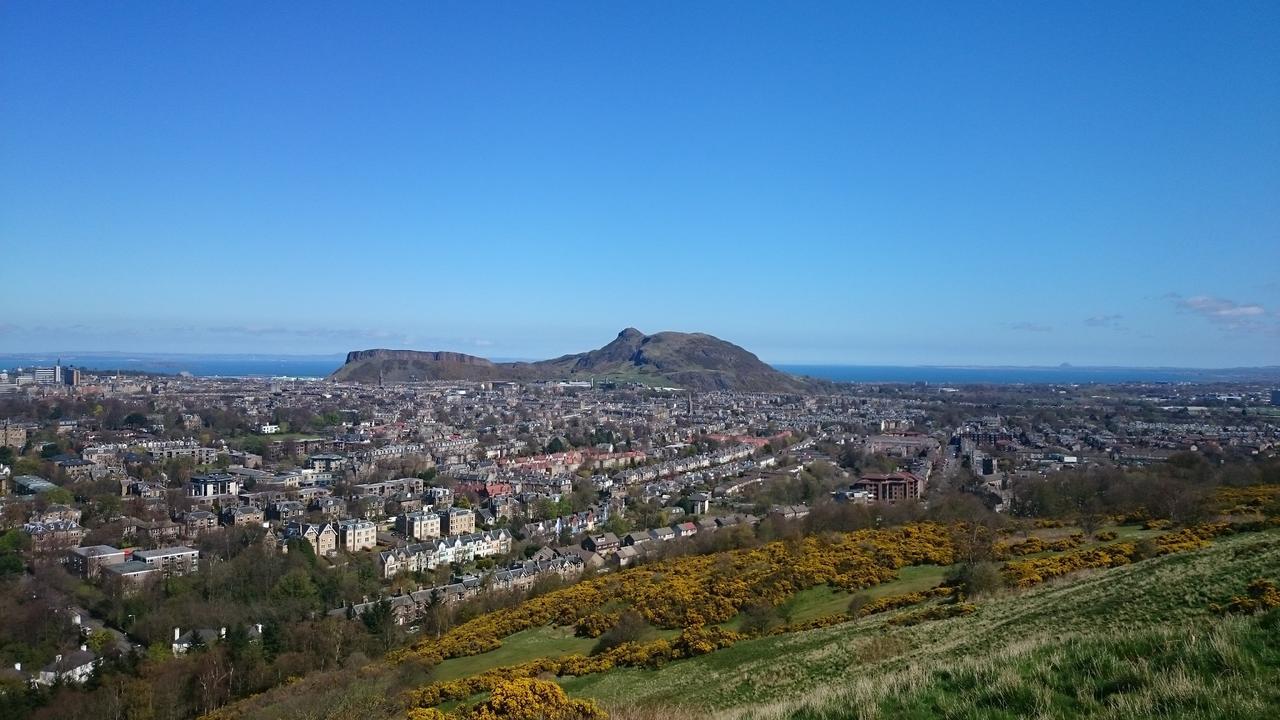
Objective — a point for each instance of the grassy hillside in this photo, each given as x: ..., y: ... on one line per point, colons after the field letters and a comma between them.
x: 1134, y: 641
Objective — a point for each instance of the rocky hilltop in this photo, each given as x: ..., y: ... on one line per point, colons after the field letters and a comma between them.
x: 694, y: 361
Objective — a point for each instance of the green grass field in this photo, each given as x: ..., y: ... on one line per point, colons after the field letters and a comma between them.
x: 1135, y: 641
x: 822, y: 601
x: 517, y: 648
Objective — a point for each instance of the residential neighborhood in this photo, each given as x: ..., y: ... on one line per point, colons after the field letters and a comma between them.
x: 417, y: 499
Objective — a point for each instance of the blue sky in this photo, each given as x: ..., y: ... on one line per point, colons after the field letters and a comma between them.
x: 879, y: 183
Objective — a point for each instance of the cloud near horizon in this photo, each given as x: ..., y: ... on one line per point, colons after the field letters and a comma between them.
x: 1224, y: 312
x: 1029, y: 327
x: 1110, y: 321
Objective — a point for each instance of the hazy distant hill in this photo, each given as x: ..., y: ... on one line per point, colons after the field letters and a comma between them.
x: 688, y: 360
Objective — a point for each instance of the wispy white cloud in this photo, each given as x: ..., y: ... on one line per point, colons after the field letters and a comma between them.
x: 1029, y: 327
x: 1224, y: 312
x: 307, y: 332
x: 1105, y: 321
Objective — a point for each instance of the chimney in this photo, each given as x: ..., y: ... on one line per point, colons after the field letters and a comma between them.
x: 177, y: 632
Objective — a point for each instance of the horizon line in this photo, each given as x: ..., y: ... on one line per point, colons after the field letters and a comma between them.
x: 792, y: 363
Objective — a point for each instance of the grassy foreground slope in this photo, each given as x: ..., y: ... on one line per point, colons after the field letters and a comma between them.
x: 1131, y: 642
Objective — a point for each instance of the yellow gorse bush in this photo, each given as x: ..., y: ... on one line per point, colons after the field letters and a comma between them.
x: 1260, y: 596
x: 1025, y: 573
x: 1034, y: 545
x: 702, y: 590
x: 693, y: 593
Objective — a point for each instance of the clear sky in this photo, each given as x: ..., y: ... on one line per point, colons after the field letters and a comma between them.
x: 862, y: 183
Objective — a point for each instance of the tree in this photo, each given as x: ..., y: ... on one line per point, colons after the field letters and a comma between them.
x: 61, y: 496
x: 380, y: 622
x: 1090, y: 522
x: 617, y: 525
x: 629, y: 628
x: 975, y: 578
x: 272, y: 640
x: 758, y: 618
x: 99, y: 640
x: 858, y: 601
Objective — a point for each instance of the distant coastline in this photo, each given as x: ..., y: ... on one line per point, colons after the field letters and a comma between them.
x: 300, y: 366
x: 976, y: 375
x: 319, y: 366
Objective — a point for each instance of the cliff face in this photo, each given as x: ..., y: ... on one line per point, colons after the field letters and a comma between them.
x: 373, y: 366
x: 694, y: 361
x: 418, y: 355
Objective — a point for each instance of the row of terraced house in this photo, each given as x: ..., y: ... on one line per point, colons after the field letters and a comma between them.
x: 429, y: 555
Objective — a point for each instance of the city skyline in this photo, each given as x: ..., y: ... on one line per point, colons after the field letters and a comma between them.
x: 852, y: 185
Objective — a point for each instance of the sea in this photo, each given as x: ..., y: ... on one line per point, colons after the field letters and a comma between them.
x: 319, y: 366
x: 297, y: 366
x: 1058, y: 375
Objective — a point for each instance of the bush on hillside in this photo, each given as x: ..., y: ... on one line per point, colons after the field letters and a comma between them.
x: 628, y: 628
x: 532, y: 699
x: 758, y: 618
x: 858, y: 602
x: 974, y: 579
x: 1260, y: 596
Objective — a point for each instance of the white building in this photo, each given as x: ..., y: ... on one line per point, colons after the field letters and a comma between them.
x: 419, y: 525
x: 357, y: 535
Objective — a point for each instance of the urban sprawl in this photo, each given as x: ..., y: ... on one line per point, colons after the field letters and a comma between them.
x: 432, y: 495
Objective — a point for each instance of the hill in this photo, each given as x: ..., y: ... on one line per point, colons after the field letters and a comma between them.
x: 1129, y: 638
x: 693, y: 361
x: 1134, y: 641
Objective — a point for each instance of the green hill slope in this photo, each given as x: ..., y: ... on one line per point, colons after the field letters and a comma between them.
x: 1131, y: 642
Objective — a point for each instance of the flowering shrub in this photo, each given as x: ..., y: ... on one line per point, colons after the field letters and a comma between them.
x: 693, y: 641
x: 595, y: 624
x: 1025, y: 573
x: 428, y: 714
x: 1106, y: 535
x: 705, y: 590
x: 1261, y: 595
x: 1192, y: 538
x: 1034, y: 545
x: 696, y: 593
x: 1252, y: 498
x: 893, y: 602
x: 701, y: 640
x: 530, y: 699
x: 1137, y: 516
